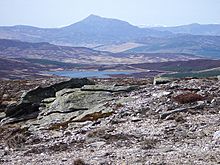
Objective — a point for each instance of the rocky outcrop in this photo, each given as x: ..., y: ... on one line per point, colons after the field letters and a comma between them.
x: 88, y: 103
x: 70, y: 101
x: 38, y: 94
x: 31, y: 100
x: 69, y: 106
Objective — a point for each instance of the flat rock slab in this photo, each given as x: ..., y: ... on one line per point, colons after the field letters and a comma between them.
x: 78, y: 100
x: 57, y: 118
x: 108, y: 88
x: 65, y: 91
x: 38, y: 94
x: 94, y: 113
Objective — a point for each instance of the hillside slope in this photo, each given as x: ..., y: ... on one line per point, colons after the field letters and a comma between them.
x: 80, y: 55
x: 207, y: 46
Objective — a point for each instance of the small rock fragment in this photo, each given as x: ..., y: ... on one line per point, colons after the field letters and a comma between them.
x: 216, y: 136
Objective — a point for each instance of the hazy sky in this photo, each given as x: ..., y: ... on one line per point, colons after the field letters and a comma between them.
x: 57, y: 13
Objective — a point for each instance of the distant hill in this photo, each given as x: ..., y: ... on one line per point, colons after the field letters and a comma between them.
x: 93, y: 30
x: 182, y: 69
x: 80, y: 55
x: 180, y: 66
x: 44, y: 50
x: 206, y: 46
x: 194, y: 29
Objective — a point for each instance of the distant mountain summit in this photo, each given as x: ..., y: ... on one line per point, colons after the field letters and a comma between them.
x: 91, y: 30
x: 100, y: 23
x: 94, y: 19
x: 95, y: 29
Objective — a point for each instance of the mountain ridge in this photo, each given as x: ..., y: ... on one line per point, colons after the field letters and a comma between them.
x: 104, y: 33
x: 206, y: 46
x: 91, y: 30
x: 194, y: 29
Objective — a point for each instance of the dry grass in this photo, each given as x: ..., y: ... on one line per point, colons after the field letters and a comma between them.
x: 79, y: 162
x: 94, y: 116
x: 188, y: 98
x: 14, y: 137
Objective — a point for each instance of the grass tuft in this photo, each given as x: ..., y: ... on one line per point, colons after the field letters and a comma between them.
x: 188, y: 98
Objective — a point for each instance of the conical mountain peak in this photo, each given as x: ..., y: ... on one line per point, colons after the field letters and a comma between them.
x: 93, y: 17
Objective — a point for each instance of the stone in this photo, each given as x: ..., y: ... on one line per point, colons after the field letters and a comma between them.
x: 161, y: 94
x: 201, y: 102
x: 108, y: 88
x: 97, y: 144
x: 38, y: 94
x: 99, y: 111
x: 9, y: 120
x: 22, y: 108
x: 64, y: 159
x: 161, y: 80
x: 216, y: 136
x: 57, y: 120
x: 2, y: 115
x: 135, y: 119
x: 78, y: 100
x: 5, y: 96
x: 64, y: 91
x: 48, y: 100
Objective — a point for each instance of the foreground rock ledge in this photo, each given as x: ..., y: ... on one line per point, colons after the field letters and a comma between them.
x: 74, y: 100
